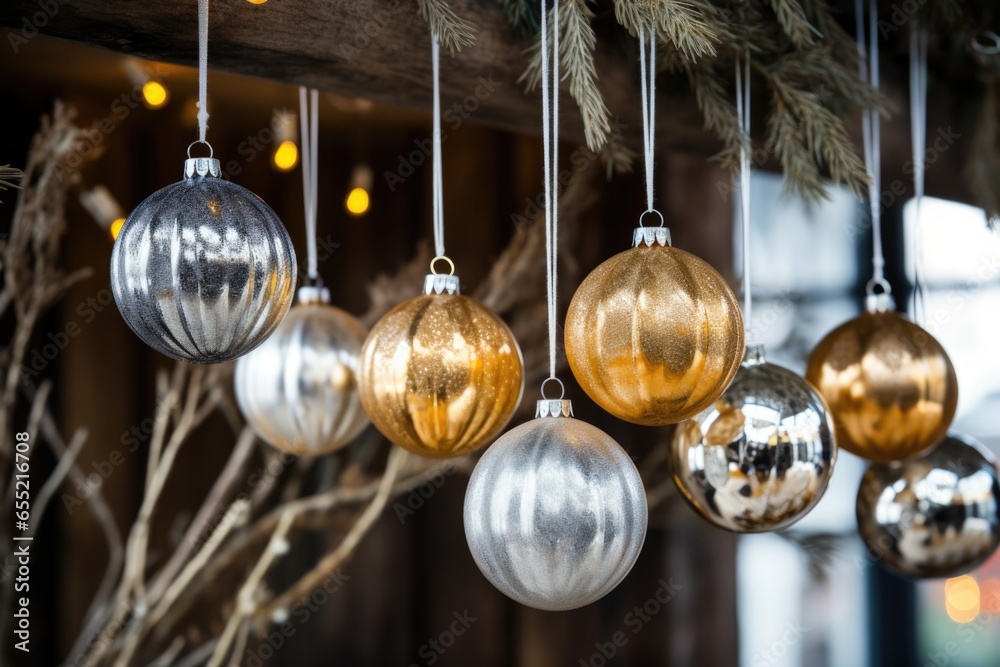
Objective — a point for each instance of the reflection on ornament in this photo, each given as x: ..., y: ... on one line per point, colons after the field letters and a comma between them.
x: 299, y: 389
x: 555, y: 513
x: 440, y: 374
x: 654, y: 335
x: 762, y: 456
x: 890, y: 386
x: 933, y: 516
x: 203, y: 270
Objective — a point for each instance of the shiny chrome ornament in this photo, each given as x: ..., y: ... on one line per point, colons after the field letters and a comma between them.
x: 761, y: 457
x: 933, y: 516
x: 555, y: 511
x: 203, y: 270
x: 299, y: 389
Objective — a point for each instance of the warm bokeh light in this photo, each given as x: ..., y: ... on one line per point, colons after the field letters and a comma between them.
x: 961, y: 599
x: 357, y: 201
x: 990, y: 595
x: 155, y: 94
x: 256, y: 2
x: 116, y: 227
x: 286, y: 155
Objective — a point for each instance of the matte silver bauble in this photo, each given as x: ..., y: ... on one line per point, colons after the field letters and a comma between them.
x: 203, y: 270
x: 762, y: 455
x: 937, y: 515
x: 555, y: 512
x: 299, y: 389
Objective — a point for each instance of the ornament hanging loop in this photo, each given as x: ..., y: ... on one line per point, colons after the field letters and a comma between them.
x: 642, y: 217
x: 562, y: 389
x: 878, y: 286
x: 211, y: 152
x: 986, y: 42
x: 446, y: 260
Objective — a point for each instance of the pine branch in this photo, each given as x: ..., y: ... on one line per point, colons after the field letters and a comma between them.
x: 452, y: 31
x: 683, y: 25
x: 577, y: 43
x: 793, y: 21
x: 522, y: 15
x: 711, y: 92
x: 634, y: 14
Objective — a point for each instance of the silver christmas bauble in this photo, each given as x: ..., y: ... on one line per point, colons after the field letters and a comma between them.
x: 203, y: 270
x: 555, y: 512
x: 299, y: 388
x: 761, y: 457
x: 937, y: 515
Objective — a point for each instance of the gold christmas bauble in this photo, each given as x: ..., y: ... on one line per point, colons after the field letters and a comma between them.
x: 440, y: 374
x: 654, y: 335
x: 890, y: 385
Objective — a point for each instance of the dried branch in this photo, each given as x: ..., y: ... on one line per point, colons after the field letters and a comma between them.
x: 452, y: 31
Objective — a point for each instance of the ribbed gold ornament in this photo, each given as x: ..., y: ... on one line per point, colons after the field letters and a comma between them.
x: 654, y: 335
x: 890, y: 385
x: 441, y: 375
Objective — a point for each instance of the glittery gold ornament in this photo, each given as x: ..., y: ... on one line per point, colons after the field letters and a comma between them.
x: 891, y: 388
x: 761, y: 457
x: 440, y: 374
x: 654, y: 335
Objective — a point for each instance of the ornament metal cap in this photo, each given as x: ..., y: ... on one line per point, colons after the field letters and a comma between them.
x: 754, y: 355
x: 311, y: 294
x: 553, y: 407
x: 438, y: 283
x: 649, y: 236
x: 880, y: 303
x: 195, y: 167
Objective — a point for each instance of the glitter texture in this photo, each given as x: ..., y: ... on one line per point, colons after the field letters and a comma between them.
x: 441, y: 375
x: 654, y: 335
x: 203, y: 270
x: 890, y: 386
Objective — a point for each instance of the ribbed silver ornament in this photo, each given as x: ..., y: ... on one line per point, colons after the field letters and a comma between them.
x: 203, y: 270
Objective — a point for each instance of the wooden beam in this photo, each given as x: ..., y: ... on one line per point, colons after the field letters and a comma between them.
x: 375, y: 49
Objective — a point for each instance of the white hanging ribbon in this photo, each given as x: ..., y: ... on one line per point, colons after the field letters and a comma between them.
x: 918, y: 130
x: 550, y: 145
x: 743, y: 115
x: 202, y: 70
x: 309, y: 131
x: 437, y: 177
x: 871, y: 135
x: 648, y: 90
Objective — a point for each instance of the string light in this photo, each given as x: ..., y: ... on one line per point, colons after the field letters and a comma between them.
x: 116, y: 226
x: 286, y: 155
x: 154, y: 94
x: 358, y: 199
x: 961, y: 599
